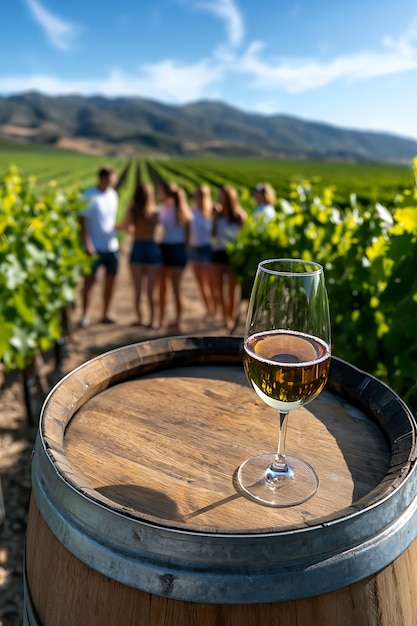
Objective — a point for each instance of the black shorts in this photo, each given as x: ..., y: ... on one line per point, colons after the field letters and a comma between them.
x: 221, y: 257
x: 174, y: 254
x: 110, y: 260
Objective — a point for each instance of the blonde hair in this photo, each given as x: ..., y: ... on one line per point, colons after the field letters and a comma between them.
x: 267, y: 192
x: 203, y: 199
x: 231, y: 204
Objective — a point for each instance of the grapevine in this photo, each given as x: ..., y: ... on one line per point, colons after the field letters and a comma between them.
x: 41, y: 263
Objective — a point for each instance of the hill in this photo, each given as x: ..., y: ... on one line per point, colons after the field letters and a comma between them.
x: 130, y: 125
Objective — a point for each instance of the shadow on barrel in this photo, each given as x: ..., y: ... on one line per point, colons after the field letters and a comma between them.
x: 142, y: 499
x: 157, y: 504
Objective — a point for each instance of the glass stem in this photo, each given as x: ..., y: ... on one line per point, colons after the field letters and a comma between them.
x: 280, y: 464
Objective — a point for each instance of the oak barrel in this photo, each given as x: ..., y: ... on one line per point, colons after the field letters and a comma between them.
x: 136, y: 518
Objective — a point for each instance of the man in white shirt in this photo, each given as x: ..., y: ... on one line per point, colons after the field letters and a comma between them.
x: 98, y: 229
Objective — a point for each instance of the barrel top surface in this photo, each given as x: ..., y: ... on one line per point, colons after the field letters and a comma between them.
x: 156, y: 431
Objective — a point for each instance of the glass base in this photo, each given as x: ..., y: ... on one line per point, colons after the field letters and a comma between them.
x: 294, y: 486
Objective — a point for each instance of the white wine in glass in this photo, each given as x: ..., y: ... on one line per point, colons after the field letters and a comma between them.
x: 286, y: 360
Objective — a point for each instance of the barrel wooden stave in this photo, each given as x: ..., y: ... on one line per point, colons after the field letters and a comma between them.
x: 105, y: 386
x: 66, y: 592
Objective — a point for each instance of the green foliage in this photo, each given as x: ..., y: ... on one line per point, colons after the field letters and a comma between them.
x: 366, y: 241
x: 126, y: 187
x: 370, y: 259
x: 371, y: 182
x: 41, y: 262
x: 142, y: 172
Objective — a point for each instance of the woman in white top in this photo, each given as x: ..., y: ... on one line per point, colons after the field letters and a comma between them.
x: 229, y: 218
x: 265, y: 197
x: 200, y: 251
x: 175, y: 218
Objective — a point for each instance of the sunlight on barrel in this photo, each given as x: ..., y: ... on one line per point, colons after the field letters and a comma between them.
x: 136, y: 516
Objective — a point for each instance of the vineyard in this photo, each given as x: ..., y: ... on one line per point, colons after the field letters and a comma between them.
x: 358, y: 220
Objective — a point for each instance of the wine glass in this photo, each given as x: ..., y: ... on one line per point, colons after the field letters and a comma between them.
x: 286, y: 360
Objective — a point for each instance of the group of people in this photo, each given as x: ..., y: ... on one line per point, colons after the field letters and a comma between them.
x: 165, y: 237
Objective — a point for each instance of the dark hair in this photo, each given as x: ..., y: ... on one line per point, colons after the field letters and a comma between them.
x: 172, y: 190
x: 142, y: 205
x: 105, y: 172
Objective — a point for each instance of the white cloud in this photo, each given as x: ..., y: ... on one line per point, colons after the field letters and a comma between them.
x: 165, y: 81
x: 170, y: 80
x: 228, y: 11
x: 60, y: 33
x: 183, y: 82
x: 298, y: 75
x: 266, y: 107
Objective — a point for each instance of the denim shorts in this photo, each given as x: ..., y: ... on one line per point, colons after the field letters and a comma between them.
x: 145, y: 253
x: 174, y: 254
x: 110, y: 260
x: 200, y: 254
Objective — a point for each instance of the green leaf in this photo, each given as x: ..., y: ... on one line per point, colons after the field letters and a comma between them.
x: 13, y: 272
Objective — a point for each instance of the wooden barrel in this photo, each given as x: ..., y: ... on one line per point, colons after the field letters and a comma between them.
x: 136, y: 517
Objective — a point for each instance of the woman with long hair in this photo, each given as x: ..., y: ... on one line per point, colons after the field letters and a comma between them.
x: 265, y: 198
x: 141, y: 219
x: 200, y: 250
x: 229, y: 218
x: 175, y: 218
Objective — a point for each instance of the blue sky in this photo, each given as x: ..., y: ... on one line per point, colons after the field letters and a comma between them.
x: 351, y: 64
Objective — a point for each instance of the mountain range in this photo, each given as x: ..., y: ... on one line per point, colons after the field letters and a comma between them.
x: 138, y: 126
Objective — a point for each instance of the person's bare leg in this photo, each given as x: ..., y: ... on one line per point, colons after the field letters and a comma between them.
x: 218, y: 291
x: 176, y: 286
x: 153, y: 272
x: 162, y: 295
x: 109, y: 282
x: 207, y: 285
x: 233, y: 290
x: 137, y: 276
x: 200, y: 273
x: 212, y: 284
x: 223, y: 293
x: 86, y: 294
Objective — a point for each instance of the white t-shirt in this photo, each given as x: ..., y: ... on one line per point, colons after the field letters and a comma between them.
x: 265, y: 210
x: 200, y: 229
x: 172, y: 232
x: 101, y: 215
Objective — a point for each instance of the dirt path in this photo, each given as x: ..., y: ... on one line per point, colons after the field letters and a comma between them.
x: 17, y: 436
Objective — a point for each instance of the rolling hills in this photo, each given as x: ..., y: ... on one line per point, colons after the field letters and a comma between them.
x: 128, y: 126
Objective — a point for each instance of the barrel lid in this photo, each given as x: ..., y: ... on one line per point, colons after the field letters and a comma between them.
x: 138, y: 451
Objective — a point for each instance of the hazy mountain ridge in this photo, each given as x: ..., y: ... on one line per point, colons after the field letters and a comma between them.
x: 138, y: 125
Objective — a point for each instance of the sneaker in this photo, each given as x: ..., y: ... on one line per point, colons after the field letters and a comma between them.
x: 84, y: 322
